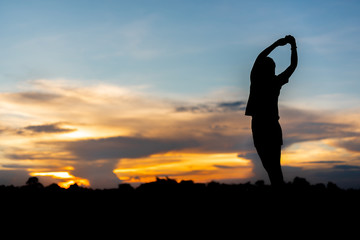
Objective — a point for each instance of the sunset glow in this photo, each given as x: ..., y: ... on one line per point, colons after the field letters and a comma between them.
x: 66, y: 177
x: 199, y: 167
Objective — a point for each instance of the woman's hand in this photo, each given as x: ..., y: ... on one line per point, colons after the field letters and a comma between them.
x: 291, y: 40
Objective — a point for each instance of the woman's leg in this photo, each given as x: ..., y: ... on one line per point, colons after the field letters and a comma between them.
x: 268, y: 140
x: 270, y: 156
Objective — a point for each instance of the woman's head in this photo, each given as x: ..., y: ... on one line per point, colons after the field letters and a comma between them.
x: 267, y: 67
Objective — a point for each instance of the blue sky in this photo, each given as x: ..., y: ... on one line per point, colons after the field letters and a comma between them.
x: 112, y: 72
x: 178, y: 46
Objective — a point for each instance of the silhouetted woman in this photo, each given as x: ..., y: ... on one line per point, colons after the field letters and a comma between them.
x: 263, y: 107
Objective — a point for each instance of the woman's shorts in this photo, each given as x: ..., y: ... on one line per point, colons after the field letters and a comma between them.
x: 266, y: 132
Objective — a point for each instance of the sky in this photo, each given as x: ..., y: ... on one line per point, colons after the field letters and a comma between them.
x: 106, y: 92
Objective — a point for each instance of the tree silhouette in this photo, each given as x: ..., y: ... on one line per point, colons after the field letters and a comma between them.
x: 33, y: 183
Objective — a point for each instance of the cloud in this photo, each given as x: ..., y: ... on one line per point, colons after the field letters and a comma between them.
x: 34, y: 97
x: 226, y: 167
x: 310, y: 131
x: 347, y: 167
x: 213, y: 107
x: 326, y: 162
x: 301, y: 125
x: 124, y: 147
x: 49, y: 128
x: 96, y: 159
x: 24, y: 156
x: 352, y: 144
x: 92, y: 128
x: 99, y: 173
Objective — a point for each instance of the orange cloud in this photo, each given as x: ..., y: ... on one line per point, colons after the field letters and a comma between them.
x: 200, y: 167
x: 104, y: 129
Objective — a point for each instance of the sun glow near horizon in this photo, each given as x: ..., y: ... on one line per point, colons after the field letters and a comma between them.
x: 199, y: 167
x: 66, y: 178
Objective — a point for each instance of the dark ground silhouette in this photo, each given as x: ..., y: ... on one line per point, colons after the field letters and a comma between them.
x: 183, y: 207
x: 169, y: 188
